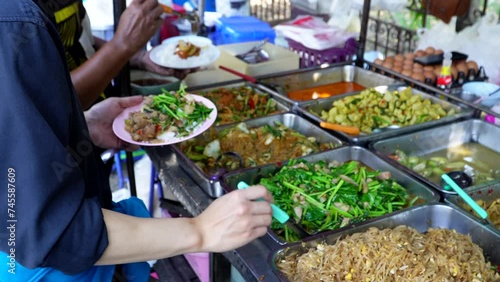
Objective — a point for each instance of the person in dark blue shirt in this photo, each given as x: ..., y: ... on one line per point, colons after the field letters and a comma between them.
x: 57, y: 220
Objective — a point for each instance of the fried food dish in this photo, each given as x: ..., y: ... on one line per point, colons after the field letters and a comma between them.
x: 186, y: 49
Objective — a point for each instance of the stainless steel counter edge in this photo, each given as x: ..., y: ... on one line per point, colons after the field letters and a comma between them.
x: 251, y: 259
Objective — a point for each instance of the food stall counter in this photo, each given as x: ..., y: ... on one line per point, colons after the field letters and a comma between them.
x: 251, y: 259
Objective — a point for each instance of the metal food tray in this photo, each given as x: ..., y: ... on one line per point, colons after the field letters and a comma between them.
x: 280, y: 105
x: 438, y: 138
x: 487, y: 193
x: 421, y: 218
x: 283, y: 83
x: 211, y: 183
x: 326, y: 104
x: 343, y: 154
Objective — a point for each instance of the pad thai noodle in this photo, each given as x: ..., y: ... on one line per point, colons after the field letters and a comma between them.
x: 399, y: 254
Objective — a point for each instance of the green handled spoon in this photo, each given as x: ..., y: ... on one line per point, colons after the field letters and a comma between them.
x: 280, y: 215
x: 478, y: 209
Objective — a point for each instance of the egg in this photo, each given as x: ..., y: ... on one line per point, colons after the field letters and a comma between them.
x: 406, y: 73
x: 409, y: 56
x: 408, y: 62
x: 439, y: 52
x: 389, y: 59
x: 430, y: 50
x: 378, y: 62
x: 418, y: 68
x: 397, y: 69
x: 420, y: 53
x: 472, y: 65
x: 398, y: 63
x: 418, y: 77
x: 407, y: 67
x: 399, y: 58
x: 387, y: 65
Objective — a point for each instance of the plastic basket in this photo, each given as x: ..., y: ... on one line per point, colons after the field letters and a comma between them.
x: 311, y: 58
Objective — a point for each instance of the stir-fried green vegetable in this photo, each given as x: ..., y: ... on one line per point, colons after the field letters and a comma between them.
x: 177, y: 109
x: 325, y: 196
x: 372, y: 109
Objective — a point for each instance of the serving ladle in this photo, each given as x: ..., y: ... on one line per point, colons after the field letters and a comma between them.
x: 450, y: 183
x: 461, y: 178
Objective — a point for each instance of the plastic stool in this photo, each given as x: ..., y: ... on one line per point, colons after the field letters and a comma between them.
x: 154, y: 180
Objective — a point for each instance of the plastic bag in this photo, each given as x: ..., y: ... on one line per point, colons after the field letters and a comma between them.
x: 390, y: 5
x: 314, y: 33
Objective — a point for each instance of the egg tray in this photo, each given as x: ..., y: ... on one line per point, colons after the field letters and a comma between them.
x: 420, y: 67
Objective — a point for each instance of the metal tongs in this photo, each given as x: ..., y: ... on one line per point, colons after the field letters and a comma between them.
x: 256, y: 54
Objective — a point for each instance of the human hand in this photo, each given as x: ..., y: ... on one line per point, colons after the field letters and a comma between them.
x: 235, y: 219
x: 142, y: 60
x: 138, y: 24
x: 100, y: 120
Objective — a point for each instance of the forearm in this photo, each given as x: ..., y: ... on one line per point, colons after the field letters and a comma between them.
x: 91, y: 78
x: 134, y: 239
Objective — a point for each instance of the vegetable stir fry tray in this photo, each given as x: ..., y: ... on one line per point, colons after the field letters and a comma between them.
x: 410, y: 109
x: 334, y: 189
x: 211, y: 155
x: 236, y: 104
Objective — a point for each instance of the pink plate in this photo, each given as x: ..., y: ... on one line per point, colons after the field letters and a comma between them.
x: 119, y: 125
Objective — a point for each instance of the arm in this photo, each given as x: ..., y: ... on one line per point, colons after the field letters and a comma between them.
x: 228, y: 223
x: 137, y: 25
x: 57, y: 186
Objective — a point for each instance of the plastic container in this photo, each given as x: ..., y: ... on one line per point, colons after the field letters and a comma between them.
x: 242, y: 29
x: 311, y: 58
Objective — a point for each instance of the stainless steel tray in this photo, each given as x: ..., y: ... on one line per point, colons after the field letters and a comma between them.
x: 431, y: 140
x: 317, y: 77
x: 420, y: 217
x: 211, y: 184
x: 325, y: 104
x: 343, y: 154
x: 282, y: 107
x: 488, y: 194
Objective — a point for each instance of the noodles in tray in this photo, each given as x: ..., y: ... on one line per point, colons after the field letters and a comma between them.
x: 399, y: 254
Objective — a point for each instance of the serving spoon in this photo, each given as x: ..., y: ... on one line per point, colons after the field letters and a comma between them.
x: 477, y: 208
x: 280, y: 215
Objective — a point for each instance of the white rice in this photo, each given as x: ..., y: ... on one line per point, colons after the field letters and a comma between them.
x: 170, y: 136
x: 168, y: 57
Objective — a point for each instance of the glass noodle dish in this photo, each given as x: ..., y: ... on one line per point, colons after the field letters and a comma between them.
x: 255, y: 146
x: 239, y: 104
x: 326, y: 196
x: 398, y: 254
x: 372, y: 109
x: 170, y: 114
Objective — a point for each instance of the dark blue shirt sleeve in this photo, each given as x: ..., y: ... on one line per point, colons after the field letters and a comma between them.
x: 44, y: 141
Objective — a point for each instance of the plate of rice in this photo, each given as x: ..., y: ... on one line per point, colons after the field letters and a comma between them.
x: 185, y: 52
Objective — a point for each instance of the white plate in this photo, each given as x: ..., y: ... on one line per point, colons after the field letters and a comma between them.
x: 164, y: 56
x: 119, y: 125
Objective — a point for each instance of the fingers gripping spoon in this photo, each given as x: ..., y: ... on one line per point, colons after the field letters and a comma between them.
x: 281, y: 216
